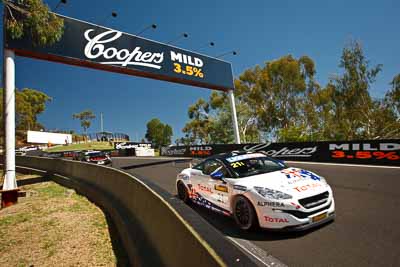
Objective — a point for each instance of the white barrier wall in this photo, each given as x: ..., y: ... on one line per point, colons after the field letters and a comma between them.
x: 46, y: 137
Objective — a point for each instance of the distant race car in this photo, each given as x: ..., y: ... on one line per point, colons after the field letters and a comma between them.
x: 96, y: 157
x: 258, y: 191
x: 28, y: 148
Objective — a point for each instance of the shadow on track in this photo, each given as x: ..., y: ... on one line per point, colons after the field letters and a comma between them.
x: 229, y: 228
x: 135, y: 166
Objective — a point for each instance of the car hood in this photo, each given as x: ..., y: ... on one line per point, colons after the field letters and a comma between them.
x: 293, y: 181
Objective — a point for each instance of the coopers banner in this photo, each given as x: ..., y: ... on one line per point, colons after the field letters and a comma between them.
x: 377, y: 152
x: 131, y: 145
x: 89, y: 45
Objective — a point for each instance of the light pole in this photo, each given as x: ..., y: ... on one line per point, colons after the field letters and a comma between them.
x: 232, y: 102
x: 101, y: 122
x: 10, y: 191
x: 234, y: 117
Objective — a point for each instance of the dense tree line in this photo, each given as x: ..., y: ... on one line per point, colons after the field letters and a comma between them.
x: 158, y: 133
x: 29, y: 104
x: 282, y: 101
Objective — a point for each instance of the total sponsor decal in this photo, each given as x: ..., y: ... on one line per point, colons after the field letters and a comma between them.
x: 306, y: 187
x: 270, y: 204
x: 275, y: 220
x: 204, y: 188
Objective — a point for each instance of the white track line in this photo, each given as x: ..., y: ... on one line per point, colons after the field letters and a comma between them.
x: 262, y: 257
x: 343, y: 164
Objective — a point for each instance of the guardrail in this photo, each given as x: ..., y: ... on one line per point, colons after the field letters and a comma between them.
x: 375, y: 152
x: 155, y: 231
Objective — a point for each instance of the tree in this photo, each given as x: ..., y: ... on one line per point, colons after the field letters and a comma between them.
x: 282, y: 101
x: 158, y: 133
x: 389, y: 117
x: 33, y: 19
x: 392, y: 97
x: 85, y: 118
x: 167, y: 135
x: 29, y: 104
x: 270, y: 101
x: 282, y: 91
x: 198, y: 129
x: 352, y: 104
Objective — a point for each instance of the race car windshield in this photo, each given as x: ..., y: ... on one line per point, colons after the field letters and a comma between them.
x: 253, y: 166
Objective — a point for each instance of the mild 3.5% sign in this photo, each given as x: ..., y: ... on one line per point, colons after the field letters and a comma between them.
x: 188, y: 65
x: 188, y: 70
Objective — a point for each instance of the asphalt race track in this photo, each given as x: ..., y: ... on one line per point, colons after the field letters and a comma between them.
x: 366, y: 231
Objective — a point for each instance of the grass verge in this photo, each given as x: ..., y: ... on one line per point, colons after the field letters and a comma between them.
x: 85, y: 146
x: 54, y: 226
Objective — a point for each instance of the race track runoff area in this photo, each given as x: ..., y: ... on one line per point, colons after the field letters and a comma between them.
x: 366, y: 231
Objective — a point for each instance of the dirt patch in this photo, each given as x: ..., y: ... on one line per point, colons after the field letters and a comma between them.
x: 54, y: 226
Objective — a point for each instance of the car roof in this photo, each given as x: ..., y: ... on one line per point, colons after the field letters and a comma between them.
x: 224, y: 156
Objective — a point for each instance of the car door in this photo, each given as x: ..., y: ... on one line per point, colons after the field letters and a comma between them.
x: 219, y: 188
x: 199, y: 180
x: 213, y: 193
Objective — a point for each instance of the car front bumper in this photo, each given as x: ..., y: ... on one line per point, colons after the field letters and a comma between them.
x: 279, y: 220
x: 306, y: 226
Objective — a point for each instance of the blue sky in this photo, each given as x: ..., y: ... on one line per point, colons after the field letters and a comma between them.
x: 260, y: 30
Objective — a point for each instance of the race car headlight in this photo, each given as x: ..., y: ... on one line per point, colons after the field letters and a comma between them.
x: 270, y: 193
x: 183, y: 176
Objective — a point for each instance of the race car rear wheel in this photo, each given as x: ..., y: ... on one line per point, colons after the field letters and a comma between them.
x: 183, y: 193
x: 244, y: 214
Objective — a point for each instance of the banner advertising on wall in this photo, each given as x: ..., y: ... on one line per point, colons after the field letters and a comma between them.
x: 89, y: 45
x: 377, y: 152
x: 47, y: 137
x: 131, y: 145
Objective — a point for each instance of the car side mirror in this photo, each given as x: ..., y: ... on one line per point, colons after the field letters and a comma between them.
x: 218, y: 175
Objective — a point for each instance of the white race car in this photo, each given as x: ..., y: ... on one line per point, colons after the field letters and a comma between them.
x: 258, y: 191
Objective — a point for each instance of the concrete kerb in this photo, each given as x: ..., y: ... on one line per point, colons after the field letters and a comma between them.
x: 150, y: 228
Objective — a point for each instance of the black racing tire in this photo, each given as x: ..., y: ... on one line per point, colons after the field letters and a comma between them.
x: 183, y: 193
x: 244, y: 214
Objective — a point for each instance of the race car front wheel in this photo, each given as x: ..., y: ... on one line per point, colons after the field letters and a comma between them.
x: 183, y: 193
x: 244, y: 214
